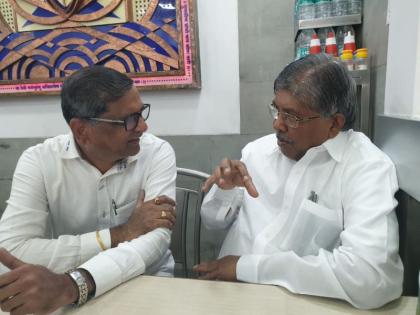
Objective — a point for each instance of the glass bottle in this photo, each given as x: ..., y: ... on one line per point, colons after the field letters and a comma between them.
x: 339, y: 7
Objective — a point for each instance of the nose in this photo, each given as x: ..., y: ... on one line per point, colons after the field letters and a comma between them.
x: 141, y: 126
x: 279, y: 124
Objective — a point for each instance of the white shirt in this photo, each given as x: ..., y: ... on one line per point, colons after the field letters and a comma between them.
x: 58, y: 200
x: 345, y: 245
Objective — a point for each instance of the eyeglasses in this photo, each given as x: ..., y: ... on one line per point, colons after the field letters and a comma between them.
x: 130, y: 122
x: 290, y: 120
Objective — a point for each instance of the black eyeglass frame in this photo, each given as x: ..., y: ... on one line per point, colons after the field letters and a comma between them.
x: 290, y: 120
x: 126, y: 121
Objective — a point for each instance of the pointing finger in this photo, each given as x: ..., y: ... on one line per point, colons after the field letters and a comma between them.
x: 208, y: 183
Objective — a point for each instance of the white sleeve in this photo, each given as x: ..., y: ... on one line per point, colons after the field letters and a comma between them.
x: 130, y: 259
x: 24, y: 226
x: 220, y: 207
x: 365, y: 269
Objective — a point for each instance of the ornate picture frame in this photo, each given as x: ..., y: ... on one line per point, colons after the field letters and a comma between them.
x: 43, y: 41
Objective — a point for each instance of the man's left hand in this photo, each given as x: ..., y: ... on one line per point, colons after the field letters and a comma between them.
x: 220, y: 269
x: 33, y: 289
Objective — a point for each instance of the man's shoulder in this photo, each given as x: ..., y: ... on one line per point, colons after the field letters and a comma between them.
x: 54, y: 145
x: 262, y: 145
x: 361, y: 148
x: 150, y: 143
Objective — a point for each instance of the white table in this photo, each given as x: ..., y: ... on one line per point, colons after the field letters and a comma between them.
x: 157, y: 295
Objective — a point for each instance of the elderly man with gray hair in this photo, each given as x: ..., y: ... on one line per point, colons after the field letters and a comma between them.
x: 310, y: 207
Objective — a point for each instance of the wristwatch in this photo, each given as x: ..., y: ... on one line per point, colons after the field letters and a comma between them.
x: 81, y: 284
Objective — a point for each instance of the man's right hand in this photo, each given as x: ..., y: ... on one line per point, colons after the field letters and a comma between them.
x: 229, y: 174
x: 33, y: 289
x: 146, y: 216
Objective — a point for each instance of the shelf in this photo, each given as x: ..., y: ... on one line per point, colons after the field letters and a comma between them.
x: 326, y: 22
x: 360, y: 76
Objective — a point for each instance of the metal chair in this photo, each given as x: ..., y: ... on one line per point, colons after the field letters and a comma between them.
x: 185, y: 243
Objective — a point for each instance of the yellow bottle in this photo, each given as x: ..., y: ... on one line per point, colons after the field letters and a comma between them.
x: 362, y: 61
x: 347, y: 59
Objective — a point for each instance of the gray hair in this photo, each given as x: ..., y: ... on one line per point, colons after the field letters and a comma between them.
x: 87, y: 92
x: 322, y: 84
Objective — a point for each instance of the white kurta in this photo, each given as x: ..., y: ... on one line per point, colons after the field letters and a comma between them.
x: 58, y: 200
x: 344, y: 245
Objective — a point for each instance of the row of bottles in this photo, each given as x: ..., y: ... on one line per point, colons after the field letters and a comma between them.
x: 303, y: 41
x: 319, y: 9
x: 340, y: 43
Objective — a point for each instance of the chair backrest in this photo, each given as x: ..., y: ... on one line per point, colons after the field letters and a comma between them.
x: 408, y: 214
x: 185, y: 243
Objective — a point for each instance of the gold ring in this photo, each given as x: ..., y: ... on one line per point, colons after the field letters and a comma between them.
x: 163, y: 214
x: 157, y: 201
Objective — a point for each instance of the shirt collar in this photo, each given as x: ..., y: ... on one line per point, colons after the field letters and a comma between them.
x: 69, y: 149
x: 336, y: 146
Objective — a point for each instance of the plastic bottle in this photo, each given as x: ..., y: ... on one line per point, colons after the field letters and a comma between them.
x: 349, y: 43
x: 362, y: 61
x: 341, y: 33
x: 339, y: 7
x: 331, y: 45
x: 323, y: 34
x: 354, y: 6
x: 303, y: 43
x: 315, y: 46
x: 305, y: 9
x: 347, y: 59
x: 322, y: 9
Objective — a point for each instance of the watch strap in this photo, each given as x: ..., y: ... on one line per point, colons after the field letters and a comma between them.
x: 81, y: 283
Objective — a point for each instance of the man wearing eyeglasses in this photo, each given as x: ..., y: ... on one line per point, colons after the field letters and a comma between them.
x: 90, y: 209
x: 310, y: 207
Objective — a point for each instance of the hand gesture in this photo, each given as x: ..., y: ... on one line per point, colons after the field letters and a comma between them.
x: 146, y: 216
x: 220, y: 269
x: 229, y: 174
x: 33, y: 289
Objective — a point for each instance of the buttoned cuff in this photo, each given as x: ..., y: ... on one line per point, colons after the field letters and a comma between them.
x: 228, y: 199
x: 114, y: 266
x: 104, y: 272
x: 222, y: 194
x: 247, y: 268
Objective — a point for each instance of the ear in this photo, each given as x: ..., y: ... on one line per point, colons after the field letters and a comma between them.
x: 80, y: 130
x: 338, y: 121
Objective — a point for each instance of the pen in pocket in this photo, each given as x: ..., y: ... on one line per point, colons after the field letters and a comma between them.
x: 313, y: 196
x: 114, y: 207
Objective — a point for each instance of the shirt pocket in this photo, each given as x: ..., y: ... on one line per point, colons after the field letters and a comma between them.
x: 122, y: 213
x: 314, y: 227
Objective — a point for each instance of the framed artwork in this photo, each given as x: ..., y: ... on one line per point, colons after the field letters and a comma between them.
x: 43, y: 41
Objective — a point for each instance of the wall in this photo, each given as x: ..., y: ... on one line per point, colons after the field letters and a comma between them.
x: 397, y: 138
x: 265, y: 47
x: 402, y: 98
x: 212, y: 110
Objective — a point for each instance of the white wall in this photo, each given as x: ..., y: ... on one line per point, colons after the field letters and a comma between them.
x: 402, y: 97
x: 212, y: 110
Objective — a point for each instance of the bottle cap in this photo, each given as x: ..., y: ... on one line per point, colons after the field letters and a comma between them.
x: 347, y: 55
x: 362, y: 53
x: 315, y: 46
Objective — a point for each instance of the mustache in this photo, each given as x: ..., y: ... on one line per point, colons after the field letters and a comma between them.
x: 283, y: 138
